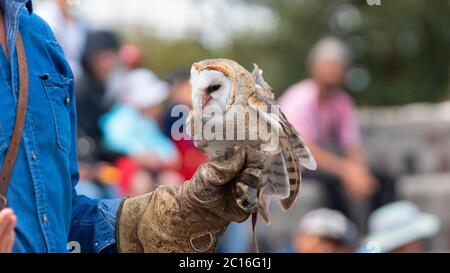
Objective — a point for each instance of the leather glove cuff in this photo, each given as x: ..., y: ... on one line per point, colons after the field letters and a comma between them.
x: 162, y: 222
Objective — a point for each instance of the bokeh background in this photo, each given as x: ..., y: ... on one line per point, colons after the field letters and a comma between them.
x: 399, y: 79
x: 400, y: 48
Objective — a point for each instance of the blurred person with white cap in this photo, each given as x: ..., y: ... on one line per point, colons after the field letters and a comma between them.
x: 324, y: 231
x: 131, y: 128
x: 325, y: 114
x: 400, y: 227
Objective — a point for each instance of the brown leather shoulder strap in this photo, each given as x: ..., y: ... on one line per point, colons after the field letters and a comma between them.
x: 21, y: 112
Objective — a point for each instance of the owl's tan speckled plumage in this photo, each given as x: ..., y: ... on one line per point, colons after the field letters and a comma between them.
x: 252, y: 92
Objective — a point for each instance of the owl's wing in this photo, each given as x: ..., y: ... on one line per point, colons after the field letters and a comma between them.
x: 272, y: 114
x: 294, y: 149
x: 276, y: 175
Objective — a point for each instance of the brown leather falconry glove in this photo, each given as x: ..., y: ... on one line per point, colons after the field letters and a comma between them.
x: 191, y: 217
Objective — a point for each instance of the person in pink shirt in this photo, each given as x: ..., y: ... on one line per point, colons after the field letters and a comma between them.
x: 325, y: 115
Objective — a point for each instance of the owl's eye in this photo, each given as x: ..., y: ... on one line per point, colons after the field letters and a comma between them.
x: 213, y: 88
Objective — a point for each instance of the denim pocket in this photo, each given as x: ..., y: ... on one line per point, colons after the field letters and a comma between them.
x: 57, y: 89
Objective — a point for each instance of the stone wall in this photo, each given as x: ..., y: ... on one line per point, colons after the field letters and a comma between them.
x: 408, y: 139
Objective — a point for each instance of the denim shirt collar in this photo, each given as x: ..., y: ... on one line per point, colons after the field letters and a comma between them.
x: 28, y: 4
x: 11, y: 10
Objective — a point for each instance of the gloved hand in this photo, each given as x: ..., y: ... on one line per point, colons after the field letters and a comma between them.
x: 191, y: 217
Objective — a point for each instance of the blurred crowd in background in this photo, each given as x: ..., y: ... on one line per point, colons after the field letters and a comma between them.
x: 324, y: 58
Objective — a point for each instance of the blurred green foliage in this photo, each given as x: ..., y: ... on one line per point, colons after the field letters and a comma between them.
x: 404, y: 44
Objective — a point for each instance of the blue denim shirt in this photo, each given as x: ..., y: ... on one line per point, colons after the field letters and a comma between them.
x: 41, y: 192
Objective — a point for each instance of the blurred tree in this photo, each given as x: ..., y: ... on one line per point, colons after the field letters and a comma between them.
x: 401, y: 48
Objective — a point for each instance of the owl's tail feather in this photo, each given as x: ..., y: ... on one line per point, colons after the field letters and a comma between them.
x: 263, y: 208
x: 255, y: 241
x: 293, y: 170
x: 254, y: 219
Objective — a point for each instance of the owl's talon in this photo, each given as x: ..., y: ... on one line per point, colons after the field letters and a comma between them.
x: 245, y: 205
x: 244, y: 201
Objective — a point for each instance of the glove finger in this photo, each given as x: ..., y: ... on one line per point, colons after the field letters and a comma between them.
x: 251, y: 177
x: 221, y: 172
x: 255, y: 158
x: 246, y: 189
x: 246, y: 198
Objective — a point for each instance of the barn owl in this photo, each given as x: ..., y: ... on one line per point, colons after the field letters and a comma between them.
x: 233, y: 107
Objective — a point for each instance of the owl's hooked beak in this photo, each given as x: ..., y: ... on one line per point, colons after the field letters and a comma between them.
x: 205, y: 101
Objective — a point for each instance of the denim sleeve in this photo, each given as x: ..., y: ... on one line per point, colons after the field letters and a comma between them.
x: 94, y: 224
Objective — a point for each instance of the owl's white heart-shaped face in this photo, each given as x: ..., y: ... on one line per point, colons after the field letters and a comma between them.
x: 209, y: 88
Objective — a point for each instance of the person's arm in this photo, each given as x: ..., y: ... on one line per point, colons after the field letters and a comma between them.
x: 355, y: 154
x: 326, y: 161
x: 333, y: 163
x: 350, y: 169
